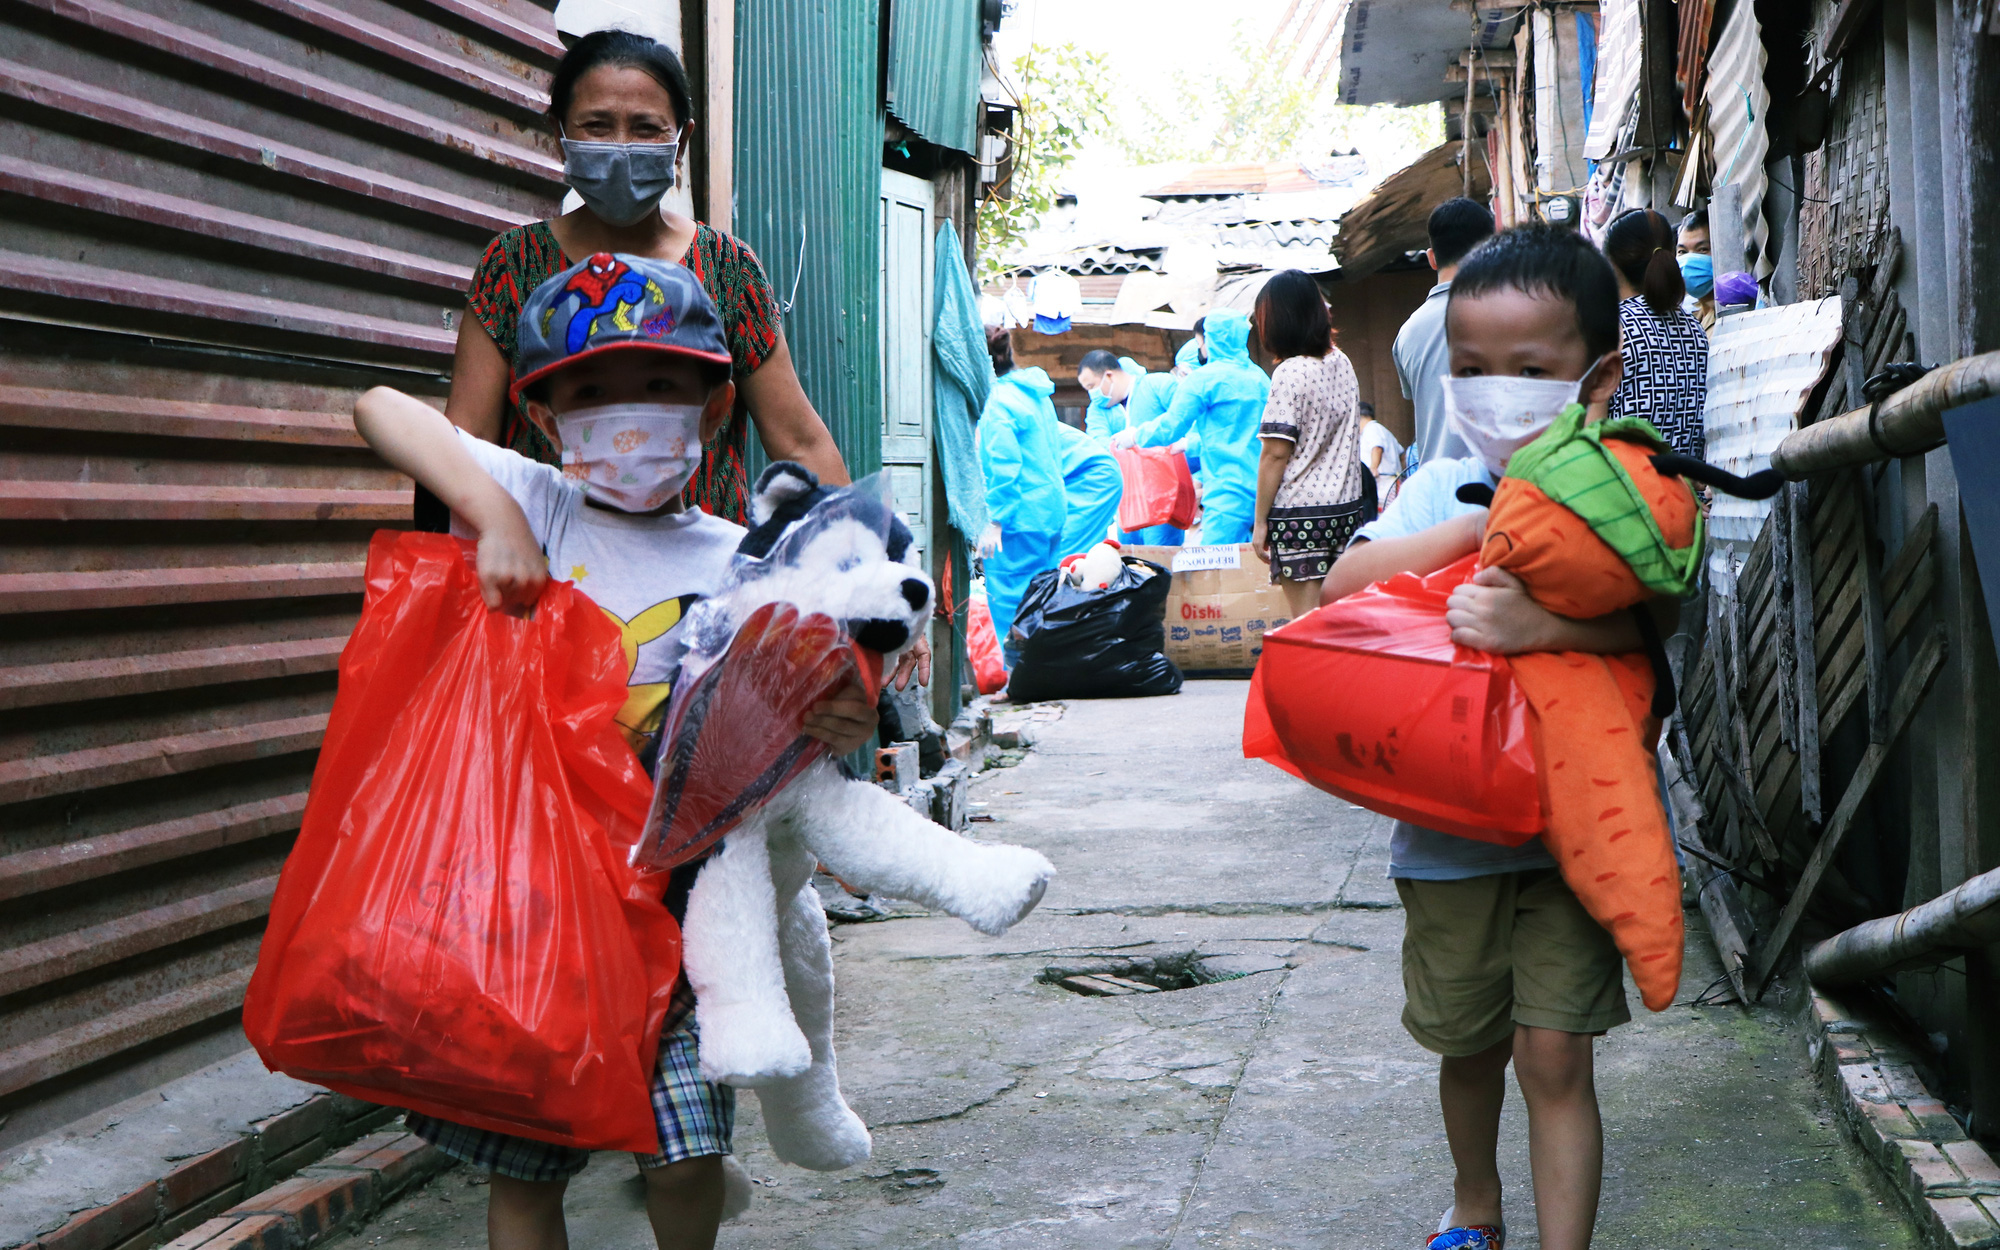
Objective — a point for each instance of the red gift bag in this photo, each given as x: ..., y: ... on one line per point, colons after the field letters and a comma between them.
x: 456, y: 930
x: 1159, y: 490
x: 1369, y: 699
x: 989, y: 671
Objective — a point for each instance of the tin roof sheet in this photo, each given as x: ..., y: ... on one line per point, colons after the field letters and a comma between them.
x: 1762, y: 365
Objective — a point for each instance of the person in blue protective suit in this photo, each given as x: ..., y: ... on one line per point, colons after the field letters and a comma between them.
x: 1022, y: 464
x: 1092, y: 487
x: 1223, y: 402
x: 1148, y: 399
x: 1193, y: 353
x: 1109, y: 379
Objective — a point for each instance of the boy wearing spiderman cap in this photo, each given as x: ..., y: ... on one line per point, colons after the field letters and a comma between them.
x: 622, y: 360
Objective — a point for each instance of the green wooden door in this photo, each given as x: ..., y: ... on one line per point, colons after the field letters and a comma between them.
x: 906, y: 350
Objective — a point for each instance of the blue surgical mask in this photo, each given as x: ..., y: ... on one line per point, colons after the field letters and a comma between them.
x: 620, y: 182
x: 1698, y: 272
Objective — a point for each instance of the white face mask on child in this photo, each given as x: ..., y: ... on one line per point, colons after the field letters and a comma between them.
x: 1498, y: 415
x: 632, y: 457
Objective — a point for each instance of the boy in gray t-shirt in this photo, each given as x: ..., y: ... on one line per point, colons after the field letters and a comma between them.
x: 1500, y: 961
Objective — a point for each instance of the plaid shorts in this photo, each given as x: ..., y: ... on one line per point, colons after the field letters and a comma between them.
x: 695, y: 1117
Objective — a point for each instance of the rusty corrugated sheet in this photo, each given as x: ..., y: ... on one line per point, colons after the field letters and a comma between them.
x: 1691, y: 59
x: 1391, y: 220
x: 218, y: 221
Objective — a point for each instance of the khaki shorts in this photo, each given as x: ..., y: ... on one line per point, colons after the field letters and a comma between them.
x: 1483, y: 954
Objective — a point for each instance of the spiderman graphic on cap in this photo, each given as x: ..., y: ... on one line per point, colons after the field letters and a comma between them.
x: 603, y: 287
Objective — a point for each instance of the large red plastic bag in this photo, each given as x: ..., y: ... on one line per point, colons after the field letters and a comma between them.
x: 733, y: 735
x: 1159, y: 490
x: 1368, y: 698
x: 456, y: 930
x: 982, y: 647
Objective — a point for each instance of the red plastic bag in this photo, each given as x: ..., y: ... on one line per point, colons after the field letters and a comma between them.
x: 1159, y: 490
x: 456, y: 930
x: 1369, y: 699
x: 982, y: 647
x: 732, y: 736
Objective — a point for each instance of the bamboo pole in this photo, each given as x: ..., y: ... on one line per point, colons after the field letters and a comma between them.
x: 1950, y: 924
x: 1908, y: 423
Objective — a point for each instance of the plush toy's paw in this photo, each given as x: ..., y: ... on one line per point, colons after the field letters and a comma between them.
x: 1006, y: 884
x: 748, y: 1044
x: 809, y: 1125
x: 737, y: 1189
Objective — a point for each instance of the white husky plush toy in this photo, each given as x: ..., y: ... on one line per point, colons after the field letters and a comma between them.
x: 755, y: 945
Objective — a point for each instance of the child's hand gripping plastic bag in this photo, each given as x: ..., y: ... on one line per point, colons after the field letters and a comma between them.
x: 1368, y: 698
x: 457, y: 930
x: 755, y: 665
x: 1159, y: 490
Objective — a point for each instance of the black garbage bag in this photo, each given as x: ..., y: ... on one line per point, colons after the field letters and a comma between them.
x: 1093, y: 644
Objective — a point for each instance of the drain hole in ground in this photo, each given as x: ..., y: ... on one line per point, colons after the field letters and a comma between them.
x: 1116, y: 976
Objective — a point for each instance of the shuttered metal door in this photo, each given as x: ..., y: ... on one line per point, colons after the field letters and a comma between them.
x: 218, y: 221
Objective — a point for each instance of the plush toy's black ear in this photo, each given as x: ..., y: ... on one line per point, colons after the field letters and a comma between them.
x: 778, y: 485
x: 785, y: 492
x: 900, y: 538
x: 1478, y: 494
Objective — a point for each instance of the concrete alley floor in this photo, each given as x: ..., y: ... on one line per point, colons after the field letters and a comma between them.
x: 1286, y: 1108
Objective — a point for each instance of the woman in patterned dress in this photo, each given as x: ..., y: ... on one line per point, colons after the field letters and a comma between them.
x: 1311, y: 491
x: 614, y: 87
x: 1665, y: 350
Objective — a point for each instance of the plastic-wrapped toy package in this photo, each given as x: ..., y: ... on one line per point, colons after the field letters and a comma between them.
x: 1369, y: 699
x: 733, y: 734
x: 457, y: 930
x: 1159, y: 490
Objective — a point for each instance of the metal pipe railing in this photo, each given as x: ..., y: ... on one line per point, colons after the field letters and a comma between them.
x: 1959, y: 920
x: 1907, y: 423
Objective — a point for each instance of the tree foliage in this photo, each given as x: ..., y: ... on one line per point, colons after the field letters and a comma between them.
x: 1251, y: 105
x: 1065, y: 98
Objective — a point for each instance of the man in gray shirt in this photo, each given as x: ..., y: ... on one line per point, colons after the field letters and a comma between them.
x: 1456, y: 227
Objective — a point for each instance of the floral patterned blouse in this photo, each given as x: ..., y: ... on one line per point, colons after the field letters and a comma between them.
x: 519, y: 260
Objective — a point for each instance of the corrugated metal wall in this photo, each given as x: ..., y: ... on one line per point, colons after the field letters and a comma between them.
x: 809, y: 156
x: 218, y: 220
x: 934, y: 62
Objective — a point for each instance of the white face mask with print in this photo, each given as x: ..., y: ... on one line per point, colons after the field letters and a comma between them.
x: 632, y: 457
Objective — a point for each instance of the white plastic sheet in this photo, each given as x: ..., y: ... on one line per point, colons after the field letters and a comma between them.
x: 1761, y: 367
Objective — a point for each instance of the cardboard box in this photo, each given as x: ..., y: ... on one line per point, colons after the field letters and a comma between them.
x: 1219, y: 606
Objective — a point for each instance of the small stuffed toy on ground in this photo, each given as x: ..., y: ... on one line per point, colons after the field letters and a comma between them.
x: 756, y: 950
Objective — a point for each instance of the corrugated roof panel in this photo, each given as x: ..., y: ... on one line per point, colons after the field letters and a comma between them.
x: 809, y: 161
x: 1393, y: 218
x: 934, y: 63
x: 1397, y: 51
x: 1761, y: 367
x: 221, y: 220
x: 1737, y: 106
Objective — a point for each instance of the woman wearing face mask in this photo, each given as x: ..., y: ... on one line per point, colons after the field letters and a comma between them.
x: 621, y: 106
x: 1664, y: 349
